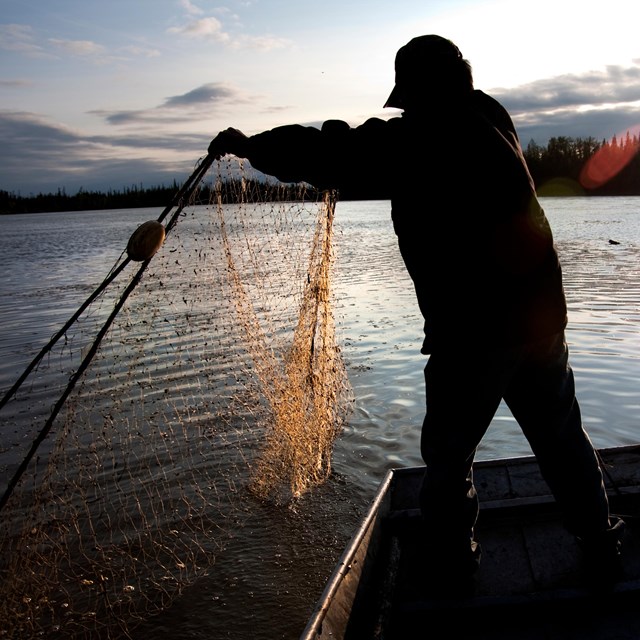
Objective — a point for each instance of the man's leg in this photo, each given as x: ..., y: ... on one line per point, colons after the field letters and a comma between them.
x: 462, y: 398
x: 541, y: 397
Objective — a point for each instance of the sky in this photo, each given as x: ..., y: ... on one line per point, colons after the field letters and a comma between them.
x: 107, y: 95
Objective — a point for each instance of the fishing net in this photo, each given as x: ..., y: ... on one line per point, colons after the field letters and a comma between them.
x: 191, y: 380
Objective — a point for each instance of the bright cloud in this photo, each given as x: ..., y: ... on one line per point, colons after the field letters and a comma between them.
x: 78, y: 47
x: 209, y: 28
x: 190, y: 8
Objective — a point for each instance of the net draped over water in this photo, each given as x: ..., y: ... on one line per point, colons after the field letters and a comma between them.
x: 218, y: 379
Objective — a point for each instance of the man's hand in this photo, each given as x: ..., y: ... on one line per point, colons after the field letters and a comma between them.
x: 229, y: 141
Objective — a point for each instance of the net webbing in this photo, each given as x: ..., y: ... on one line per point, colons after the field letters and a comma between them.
x: 220, y: 377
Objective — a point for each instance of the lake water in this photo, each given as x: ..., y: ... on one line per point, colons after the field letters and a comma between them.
x: 382, y: 329
x: 271, y: 573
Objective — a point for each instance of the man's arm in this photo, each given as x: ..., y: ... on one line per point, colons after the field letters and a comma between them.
x: 337, y: 156
x: 291, y: 153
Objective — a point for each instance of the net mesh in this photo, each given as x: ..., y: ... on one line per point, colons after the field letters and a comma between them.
x: 218, y: 378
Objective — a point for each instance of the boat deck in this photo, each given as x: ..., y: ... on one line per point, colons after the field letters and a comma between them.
x: 529, y: 583
x: 528, y: 586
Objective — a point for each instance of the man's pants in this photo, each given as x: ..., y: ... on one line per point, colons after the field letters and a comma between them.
x: 463, y: 392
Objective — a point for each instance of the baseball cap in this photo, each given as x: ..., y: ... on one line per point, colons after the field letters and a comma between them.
x: 414, y: 57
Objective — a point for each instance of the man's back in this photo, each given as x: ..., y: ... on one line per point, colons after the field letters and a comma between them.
x: 470, y: 228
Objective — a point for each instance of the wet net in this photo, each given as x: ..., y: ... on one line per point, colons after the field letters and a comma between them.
x: 192, y: 379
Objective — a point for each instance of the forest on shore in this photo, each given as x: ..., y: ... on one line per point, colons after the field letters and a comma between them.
x: 564, y: 167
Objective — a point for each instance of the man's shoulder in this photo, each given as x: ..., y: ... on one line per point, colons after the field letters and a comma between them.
x: 488, y: 104
x: 493, y: 111
x: 340, y: 126
x: 371, y: 131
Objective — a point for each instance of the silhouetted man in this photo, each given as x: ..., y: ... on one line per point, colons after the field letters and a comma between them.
x: 481, y: 255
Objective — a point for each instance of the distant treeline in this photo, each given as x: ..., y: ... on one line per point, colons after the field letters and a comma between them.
x: 132, y: 197
x: 568, y: 166
x: 565, y: 166
x: 250, y: 190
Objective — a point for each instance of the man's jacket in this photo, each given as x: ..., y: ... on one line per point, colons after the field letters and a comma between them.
x: 472, y: 233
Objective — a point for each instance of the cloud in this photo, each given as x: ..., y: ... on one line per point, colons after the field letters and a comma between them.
x: 15, y: 84
x: 260, y: 43
x: 137, y: 51
x: 205, y: 94
x: 20, y: 130
x: 78, y: 47
x: 59, y: 157
x: 210, y: 28
x: 614, y: 85
x: 191, y: 8
x: 19, y: 38
x: 596, y: 104
x: 601, y: 124
x: 201, y: 101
